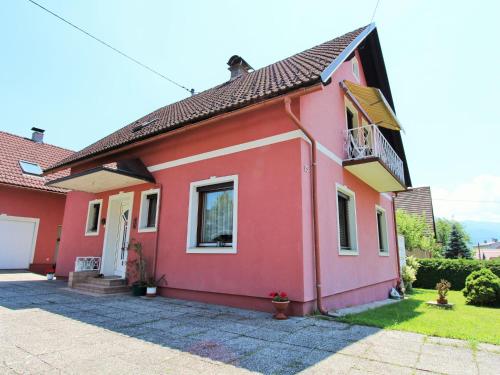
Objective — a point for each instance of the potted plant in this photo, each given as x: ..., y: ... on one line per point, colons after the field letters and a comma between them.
x: 138, y: 264
x: 51, y: 272
x: 153, y: 284
x: 280, y: 301
x: 442, y: 288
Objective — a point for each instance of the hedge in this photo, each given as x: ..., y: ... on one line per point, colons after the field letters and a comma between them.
x: 431, y: 271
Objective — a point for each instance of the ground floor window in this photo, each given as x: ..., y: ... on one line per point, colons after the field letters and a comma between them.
x: 346, y: 219
x: 383, y: 243
x: 93, y: 215
x: 213, y: 215
x: 148, y: 215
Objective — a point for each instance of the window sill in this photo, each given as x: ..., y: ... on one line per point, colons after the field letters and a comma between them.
x: 211, y: 250
x: 348, y: 252
x: 90, y: 234
x: 383, y: 253
x: 146, y: 230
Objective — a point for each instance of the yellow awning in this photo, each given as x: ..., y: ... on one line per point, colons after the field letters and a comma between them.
x: 375, y: 105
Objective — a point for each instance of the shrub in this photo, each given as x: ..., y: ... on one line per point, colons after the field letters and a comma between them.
x: 409, y: 273
x: 482, y: 288
x: 431, y: 271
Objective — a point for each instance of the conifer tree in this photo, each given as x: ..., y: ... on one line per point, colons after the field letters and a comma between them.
x: 456, y: 247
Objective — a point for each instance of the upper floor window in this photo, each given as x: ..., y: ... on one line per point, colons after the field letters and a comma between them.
x: 148, y: 214
x: 355, y: 68
x: 93, y: 215
x: 212, y: 218
x: 383, y: 244
x: 30, y: 168
x: 346, y: 217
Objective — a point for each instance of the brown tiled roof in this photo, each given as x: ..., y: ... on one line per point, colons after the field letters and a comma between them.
x: 14, y: 148
x: 417, y: 201
x: 300, y: 70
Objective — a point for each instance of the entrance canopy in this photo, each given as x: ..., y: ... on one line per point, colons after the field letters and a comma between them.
x: 113, y: 176
x: 374, y: 104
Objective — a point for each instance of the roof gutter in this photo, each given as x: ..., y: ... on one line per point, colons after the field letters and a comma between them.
x: 314, y: 208
x: 301, y: 91
x: 330, y: 69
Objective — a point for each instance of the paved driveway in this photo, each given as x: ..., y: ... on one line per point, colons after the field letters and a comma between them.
x: 47, y: 329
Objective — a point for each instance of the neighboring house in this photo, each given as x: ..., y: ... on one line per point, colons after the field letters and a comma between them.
x: 487, y: 250
x: 417, y: 201
x: 31, y: 213
x: 273, y: 180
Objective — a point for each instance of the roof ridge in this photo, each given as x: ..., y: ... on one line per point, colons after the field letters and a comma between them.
x: 44, y: 143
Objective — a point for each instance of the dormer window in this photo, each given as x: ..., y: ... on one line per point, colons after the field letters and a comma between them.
x: 30, y: 168
x: 355, y: 68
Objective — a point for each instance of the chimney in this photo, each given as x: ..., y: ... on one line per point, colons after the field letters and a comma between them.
x: 238, y: 67
x: 37, y: 135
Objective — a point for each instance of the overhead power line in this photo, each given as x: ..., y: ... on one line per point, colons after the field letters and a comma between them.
x: 134, y: 60
x: 374, y: 11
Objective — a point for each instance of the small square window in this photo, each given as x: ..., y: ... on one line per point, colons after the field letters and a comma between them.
x: 383, y: 244
x: 148, y: 216
x: 93, y: 216
x: 346, y: 215
x: 30, y: 168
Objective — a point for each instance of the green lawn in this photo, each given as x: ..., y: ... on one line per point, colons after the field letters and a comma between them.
x: 476, y: 324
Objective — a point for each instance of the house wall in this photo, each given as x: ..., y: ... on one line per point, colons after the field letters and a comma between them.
x: 48, y: 207
x: 346, y: 279
x: 274, y: 211
x: 269, y: 244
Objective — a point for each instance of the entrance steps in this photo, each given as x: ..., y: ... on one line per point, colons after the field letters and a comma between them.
x: 102, y: 285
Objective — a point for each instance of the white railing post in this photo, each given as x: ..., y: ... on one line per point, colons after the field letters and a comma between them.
x: 368, y: 141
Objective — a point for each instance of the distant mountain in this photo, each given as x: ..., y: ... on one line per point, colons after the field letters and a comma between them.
x: 481, y: 231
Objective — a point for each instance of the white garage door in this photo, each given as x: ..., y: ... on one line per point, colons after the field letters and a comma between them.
x: 17, y: 241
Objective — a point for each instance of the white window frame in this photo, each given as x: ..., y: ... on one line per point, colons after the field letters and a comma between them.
x: 353, y: 228
x: 192, y: 226
x: 96, y: 233
x: 384, y: 230
x: 143, y: 211
x: 355, y: 69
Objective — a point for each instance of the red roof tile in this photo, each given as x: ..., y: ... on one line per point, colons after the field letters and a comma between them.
x: 300, y: 70
x: 14, y: 148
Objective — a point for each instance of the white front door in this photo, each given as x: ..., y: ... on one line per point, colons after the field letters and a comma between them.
x: 114, y: 261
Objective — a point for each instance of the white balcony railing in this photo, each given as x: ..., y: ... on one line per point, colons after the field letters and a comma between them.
x: 87, y: 264
x: 368, y: 142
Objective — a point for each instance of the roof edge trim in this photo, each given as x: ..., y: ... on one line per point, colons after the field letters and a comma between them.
x: 330, y: 69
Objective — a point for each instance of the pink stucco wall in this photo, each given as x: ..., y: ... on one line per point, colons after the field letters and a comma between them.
x: 274, y: 249
x: 46, y: 206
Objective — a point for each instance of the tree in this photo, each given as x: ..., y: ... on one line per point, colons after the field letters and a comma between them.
x: 416, y: 232
x: 456, y: 246
x: 443, y: 230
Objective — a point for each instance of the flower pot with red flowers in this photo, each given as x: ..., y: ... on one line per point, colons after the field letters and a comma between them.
x: 280, y: 302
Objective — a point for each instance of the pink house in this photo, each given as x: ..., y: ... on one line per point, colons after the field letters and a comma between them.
x: 280, y: 178
x: 31, y: 213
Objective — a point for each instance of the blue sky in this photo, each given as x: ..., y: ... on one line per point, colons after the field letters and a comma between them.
x: 441, y: 58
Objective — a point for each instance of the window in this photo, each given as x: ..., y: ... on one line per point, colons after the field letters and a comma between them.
x: 93, y: 216
x: 346, y: 215
x: 30, y: 168
x: 148, y: 215
x: 355, y: 68
x: 383, y: 244
x: 350, y: 119
x: 212, y: 216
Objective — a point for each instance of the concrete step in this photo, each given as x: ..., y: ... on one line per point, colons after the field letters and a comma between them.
x: 105, y: 281
x: 101, y: 289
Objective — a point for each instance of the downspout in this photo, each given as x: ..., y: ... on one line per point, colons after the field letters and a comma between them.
x: 396, y: 231
x: 317, y: 254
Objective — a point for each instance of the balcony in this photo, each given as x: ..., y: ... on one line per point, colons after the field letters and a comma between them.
x: 372, y: 159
